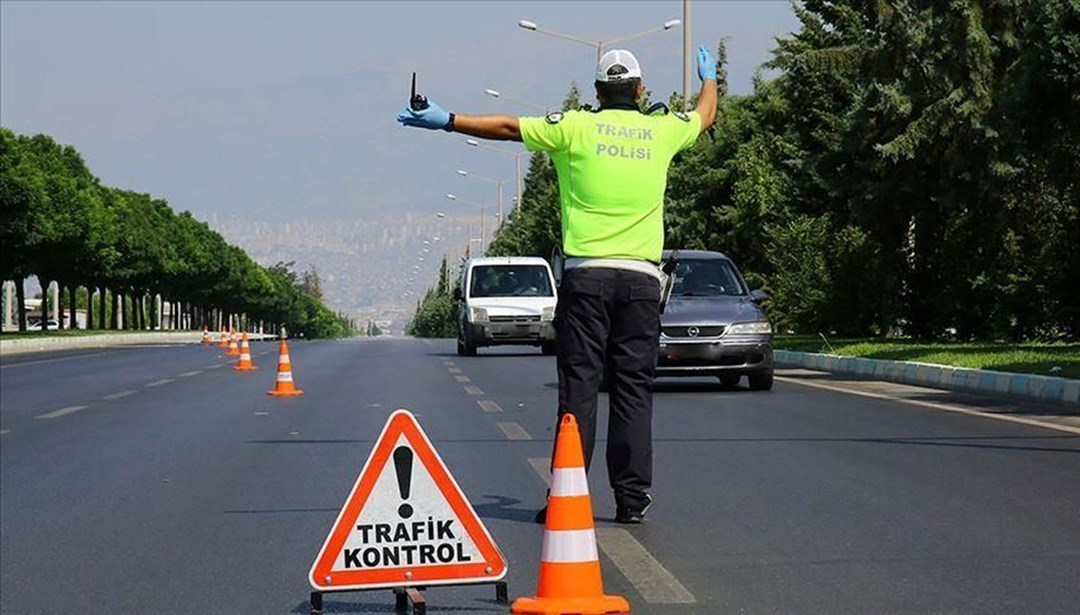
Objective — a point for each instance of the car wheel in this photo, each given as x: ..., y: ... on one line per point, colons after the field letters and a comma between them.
x: 729, y: 380
x: 548, y: 348
x: 760, y: 382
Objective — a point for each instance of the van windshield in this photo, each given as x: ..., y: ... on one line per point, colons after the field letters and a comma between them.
x: 510, y: 281
x: 706, y: 278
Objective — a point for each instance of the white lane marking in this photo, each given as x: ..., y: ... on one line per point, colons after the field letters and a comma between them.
x: 190, y: 374
x: 542, y: 465
x: 118, y: 395
x: 376, y: 406
x: 474, y: 390
x: 454, y: 370
x: 56, y: 360
x: 262, y: 414
x: 158, y: 383
x: 514, y: 431
x: 488, y: 406
x: 649, y: 577
x: 215, y: 366
x: 4, y: 431
x: 55, y: 414
x: 937, y: 406
x: 462, y: 379
x: 655, y: 584
x: 448, y: 363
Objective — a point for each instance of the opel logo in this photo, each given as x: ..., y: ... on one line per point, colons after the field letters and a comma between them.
x: 693, y: 331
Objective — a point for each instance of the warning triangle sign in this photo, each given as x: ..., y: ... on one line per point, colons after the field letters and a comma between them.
x: 406, y: 522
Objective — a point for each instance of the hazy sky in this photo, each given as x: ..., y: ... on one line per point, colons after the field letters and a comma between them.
x: 275, y: 110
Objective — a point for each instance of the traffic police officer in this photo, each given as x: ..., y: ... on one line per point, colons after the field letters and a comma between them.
x: 612, y: 167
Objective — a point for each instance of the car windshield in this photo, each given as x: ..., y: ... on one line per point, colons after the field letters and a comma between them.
x: 510, y: 281
x: 706, y: 278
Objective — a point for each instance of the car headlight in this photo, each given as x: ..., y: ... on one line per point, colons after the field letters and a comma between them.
x: 478, y: 314
x: 548, y: 314
x: 750, y: 328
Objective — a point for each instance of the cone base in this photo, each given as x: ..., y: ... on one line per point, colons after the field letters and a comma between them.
x: 292, y: 393
x: 246, y: 369
x: 596, y: 605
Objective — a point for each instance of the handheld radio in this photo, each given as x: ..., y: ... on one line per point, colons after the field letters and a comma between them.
x: 417, y: 102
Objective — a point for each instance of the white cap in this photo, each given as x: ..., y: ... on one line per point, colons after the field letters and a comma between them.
x: 617, y: 65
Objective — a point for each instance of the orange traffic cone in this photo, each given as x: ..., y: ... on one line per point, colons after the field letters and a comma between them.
x: 234, y: 348
x: 284, y: 386
x: 205, y: 335
x: 570, y: 580
x: 224, y: 343
x: 245, y: 364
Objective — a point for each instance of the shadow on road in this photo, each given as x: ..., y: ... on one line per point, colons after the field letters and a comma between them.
x: 341, y: 606
x: 500, y: 509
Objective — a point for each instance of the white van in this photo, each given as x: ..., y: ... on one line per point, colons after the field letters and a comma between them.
x: 506, y: 300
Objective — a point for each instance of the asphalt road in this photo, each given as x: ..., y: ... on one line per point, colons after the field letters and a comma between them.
x: 158, y: 480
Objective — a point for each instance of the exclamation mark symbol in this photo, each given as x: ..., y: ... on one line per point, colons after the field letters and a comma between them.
x: 403, y: 457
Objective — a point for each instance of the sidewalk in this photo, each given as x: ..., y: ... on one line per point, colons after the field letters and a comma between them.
x: 1045, y: 388
x: 9, y: 347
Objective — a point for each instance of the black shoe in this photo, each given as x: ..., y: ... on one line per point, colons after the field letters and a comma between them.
x: 631, y: 515
x: 541, y: 516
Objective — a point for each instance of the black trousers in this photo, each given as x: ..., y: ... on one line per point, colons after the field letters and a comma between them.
x: 609, y: 320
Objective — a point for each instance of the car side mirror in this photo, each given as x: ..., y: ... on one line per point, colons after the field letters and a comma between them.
x: 457, y: 293
x: 757, y: 296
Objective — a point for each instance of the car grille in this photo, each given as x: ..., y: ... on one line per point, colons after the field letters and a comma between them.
x: 515, y: 319
x: 684, y: 332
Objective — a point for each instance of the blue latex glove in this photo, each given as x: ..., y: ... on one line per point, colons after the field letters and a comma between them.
x: 433, y: 118
x: 706, y: 64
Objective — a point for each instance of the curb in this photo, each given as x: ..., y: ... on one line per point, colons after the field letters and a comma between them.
x: 47, y: 344
x: 1045, y: 388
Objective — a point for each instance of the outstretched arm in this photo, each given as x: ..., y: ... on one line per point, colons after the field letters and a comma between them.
x: 706, y: 104
x: 434, y: 117
x: 497, y: 127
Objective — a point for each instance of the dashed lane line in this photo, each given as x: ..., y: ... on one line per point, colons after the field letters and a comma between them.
x: 4, y: 431
x: 118, y: 395
x: 936, y: 406
x: 55, y: 414
x: 474, y: 390
x: 219, y: 365
x: 655, y: 584
x: 190, y: 374
x: 514, y: 431
x: 56, y: 360
x: 454, y: 370
x: 158, y: 383
x: 488, y: 406
x: 648, y: 576
x: 462, y: 379
x: 542, y: 465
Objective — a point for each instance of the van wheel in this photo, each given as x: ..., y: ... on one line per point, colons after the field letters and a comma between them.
x: 466, y: 347
x: 761, y: 382
x: 548, y: 348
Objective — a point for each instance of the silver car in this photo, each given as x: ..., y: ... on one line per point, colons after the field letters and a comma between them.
x: 713, y: 325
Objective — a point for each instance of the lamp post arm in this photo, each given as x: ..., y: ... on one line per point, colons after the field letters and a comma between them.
x: 568, y: 37
x: 629, y: 37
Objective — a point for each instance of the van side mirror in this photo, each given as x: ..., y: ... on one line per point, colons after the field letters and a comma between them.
x: 457, y: 293
x: 757, y: 296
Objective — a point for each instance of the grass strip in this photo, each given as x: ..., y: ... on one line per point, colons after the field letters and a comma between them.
x: 1042, y: 358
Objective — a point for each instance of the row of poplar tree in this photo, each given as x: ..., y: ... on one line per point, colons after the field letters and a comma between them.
x: 58, y: 223
x: 908, y: 168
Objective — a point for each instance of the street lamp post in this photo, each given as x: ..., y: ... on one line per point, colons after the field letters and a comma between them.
x: 498, y: 184
x: 483, y: 217
x: 517, y: 161
x: 598, y: 44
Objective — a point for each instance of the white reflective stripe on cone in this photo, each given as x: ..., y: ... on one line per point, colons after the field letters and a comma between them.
x: 283, y: 358
x: 569, y: 481
x: 284, y: 377
x: 569, y: 547
x: 245, y: 356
